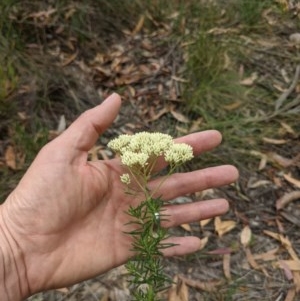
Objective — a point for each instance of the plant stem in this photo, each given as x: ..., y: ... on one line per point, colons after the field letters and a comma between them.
x: 145, y: 268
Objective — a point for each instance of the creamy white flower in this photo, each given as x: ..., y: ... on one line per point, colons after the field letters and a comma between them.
x: 119, y: 144
x: 179, y: 153
x: 132, y: 159
x: 125, y: 178
x: 153, y: 144
x: 143, y: 148
x: 150, y: 143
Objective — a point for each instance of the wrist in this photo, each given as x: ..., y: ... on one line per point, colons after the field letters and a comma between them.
x: 13, y: 279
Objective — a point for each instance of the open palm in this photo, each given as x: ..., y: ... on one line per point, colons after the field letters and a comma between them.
x: 67, y: 214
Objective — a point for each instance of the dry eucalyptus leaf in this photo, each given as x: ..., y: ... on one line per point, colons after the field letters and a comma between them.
x: 223, y: 227
x: 179, y: 79
x: 204, y: 242
x: 293, y: 265
x: 266, y: 256
x: 287, y: 198
x: 246, y: 236
x: 204, y: 222
x: 285, y: 243
x: 179, y: 117
x: 186, y: 227
x: 251, y: 259
x: 263, y: 162
x: 292, y: 180
x: 139, y: 25
x: 284, y: 162
x: 178, y: 291
x: 274, y: 141
x: 63, y: 290
x: 226, y: 266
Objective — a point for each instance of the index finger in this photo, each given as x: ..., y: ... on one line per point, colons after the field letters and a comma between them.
x: 200, y: 142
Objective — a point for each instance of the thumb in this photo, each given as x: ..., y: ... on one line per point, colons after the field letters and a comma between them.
x: 83, y: 133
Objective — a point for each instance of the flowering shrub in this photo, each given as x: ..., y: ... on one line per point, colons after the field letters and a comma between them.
x: 139, y: 154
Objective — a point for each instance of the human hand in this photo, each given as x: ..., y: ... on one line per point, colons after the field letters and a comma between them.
x: 67, y: 214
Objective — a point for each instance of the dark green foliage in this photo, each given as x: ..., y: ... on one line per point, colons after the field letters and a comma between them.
x: 147, y: 276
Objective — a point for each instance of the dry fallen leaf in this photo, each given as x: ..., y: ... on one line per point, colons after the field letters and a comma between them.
x: 203, y: 243
x: 179, y: 117
x: 178, y: 291
x: 287, y: 272
x: 285, y: 243
x: 296, y: 276
x: 252, y: 262
x: 223, y: 227
x: 10, y: 158
x: 284, y: 162
x: 274, y: 141
x: 63, y: 290
x: 226, y: 266
x: 204, y: 222
x: 263, y: 158
x: 179, y: 79
x: 246, y: 236
x: 233, y: 106
x: 154, y: 116
x: 139, y: 25
x: 290, y: 296
x: 266, y: 256
x: 259, y: 184
x: 288, y: 128
x: 67, y: 61
x: 251, y: 259
x: 186, y: 227
x: 292, y: 180
x: 293, y: 265
x: 249, y: 81
x: 13, y: 159
x: 182, y: 130
x: 287, y: 198
x: 196, y: 125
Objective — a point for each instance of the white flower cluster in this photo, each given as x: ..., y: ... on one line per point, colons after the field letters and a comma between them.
x: 140, y: 150
x: 179, y: 153
x: 132, y: 159
x: 125, y: 178
x: 152, y: 144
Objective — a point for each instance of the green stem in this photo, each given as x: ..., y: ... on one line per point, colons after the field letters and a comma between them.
x: 146, y: 270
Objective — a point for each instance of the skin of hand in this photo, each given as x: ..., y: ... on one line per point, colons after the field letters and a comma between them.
x: 65, y: 219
